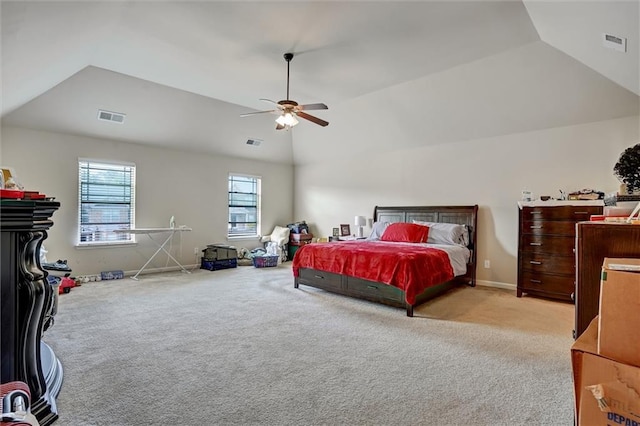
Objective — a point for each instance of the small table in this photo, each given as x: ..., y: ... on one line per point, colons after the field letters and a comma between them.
x: 149, y: 232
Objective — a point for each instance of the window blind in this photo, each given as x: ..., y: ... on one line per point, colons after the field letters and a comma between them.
x: 106, y: 193
x: 244, y: 198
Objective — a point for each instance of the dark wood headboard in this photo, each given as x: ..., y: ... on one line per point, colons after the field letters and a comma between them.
x: 463, y: 215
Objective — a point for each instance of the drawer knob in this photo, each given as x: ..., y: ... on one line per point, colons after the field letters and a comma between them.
x: 536, y: 227
x: 536, y: 281
x: 535, y: 262
x: 319, y: 277
x: 372, y: 287
x: 580, y: 212
x: 535, y: 244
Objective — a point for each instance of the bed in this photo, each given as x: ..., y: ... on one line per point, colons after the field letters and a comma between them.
x: 420, y: 273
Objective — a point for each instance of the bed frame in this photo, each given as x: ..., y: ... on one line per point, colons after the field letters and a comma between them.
x: 390, y: 295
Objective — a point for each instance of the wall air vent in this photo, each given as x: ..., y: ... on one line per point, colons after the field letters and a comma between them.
x: 114, y: 117
x: 614, y: 42
x: 254, y: 142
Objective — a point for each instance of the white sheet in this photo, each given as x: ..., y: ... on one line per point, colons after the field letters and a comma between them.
x: 458, y: 255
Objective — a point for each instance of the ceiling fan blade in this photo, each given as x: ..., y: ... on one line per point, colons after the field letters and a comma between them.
x: 308, y: 107
x: 269, y: 100
x: 246, y: 114
x: 312, y: 118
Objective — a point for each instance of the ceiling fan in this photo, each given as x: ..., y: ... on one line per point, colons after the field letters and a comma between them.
x: 288, y: 110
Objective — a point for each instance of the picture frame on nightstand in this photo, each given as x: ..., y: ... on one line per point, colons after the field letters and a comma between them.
x: 336, y: 232
x: 345, y: 230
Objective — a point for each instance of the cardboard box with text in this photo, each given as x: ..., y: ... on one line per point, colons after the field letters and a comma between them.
x: 607, y: 392
x: 619, y: 314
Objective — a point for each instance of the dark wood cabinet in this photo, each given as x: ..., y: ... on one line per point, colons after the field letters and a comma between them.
x: 26, y: 300
x: 594, y: 242
x: 546, y: 260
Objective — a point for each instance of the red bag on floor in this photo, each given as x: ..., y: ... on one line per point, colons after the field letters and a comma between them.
x: 66, y: 284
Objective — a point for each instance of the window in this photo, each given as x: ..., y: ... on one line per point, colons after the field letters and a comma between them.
x: 106, y: 201
x: 244, y: 206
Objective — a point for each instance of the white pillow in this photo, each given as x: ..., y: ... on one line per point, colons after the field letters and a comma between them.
x: 446, y: 233
x: 377, y: 230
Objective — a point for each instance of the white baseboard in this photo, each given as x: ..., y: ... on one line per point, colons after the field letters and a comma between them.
x: 86, y: 278
x: 496, y: 284
x: 162, y: 269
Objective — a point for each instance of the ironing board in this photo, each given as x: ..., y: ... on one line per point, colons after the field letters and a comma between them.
x: 149, y: 233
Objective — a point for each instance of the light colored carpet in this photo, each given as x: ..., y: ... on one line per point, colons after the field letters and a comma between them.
x: 242, y: 346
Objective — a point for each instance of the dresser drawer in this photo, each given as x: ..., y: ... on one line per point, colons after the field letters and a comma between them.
x: 547, y: 263
x: 546, y: 283
x: 327, y: 280
x: 570, y: 213
x: 540, y: 227
x: 561, y: 245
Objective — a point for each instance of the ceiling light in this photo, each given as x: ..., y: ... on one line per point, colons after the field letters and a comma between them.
x: 287, y: 120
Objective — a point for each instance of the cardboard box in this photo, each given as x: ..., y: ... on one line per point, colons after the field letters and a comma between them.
x: 619, y: 315
x: 606, y: 392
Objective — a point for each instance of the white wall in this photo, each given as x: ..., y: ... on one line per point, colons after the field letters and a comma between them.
x: 190, y: 186
x: 530, y: 88
x: 489, y: 172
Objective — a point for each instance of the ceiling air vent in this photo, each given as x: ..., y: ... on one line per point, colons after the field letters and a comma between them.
x: 614, y: 42
x: 254, y: 142
x: 114, y: 117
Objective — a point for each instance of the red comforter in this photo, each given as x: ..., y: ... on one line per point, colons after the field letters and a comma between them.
x: 410, y: 267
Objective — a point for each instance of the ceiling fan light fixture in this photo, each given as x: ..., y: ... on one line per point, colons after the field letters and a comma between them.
x: 287, y: 120
x: 290, y: 110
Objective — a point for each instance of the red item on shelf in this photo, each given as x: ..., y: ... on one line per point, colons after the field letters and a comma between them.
x: 11, y: 193
x: 33, y: 195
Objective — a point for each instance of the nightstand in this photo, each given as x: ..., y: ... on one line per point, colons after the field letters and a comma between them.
x: 296, y: 241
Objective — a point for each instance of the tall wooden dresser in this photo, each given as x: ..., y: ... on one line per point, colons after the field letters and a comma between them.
x: 594, y: 242
x: 546, y: 259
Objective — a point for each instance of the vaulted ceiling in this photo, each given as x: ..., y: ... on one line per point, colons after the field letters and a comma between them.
x: 183, y: 72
